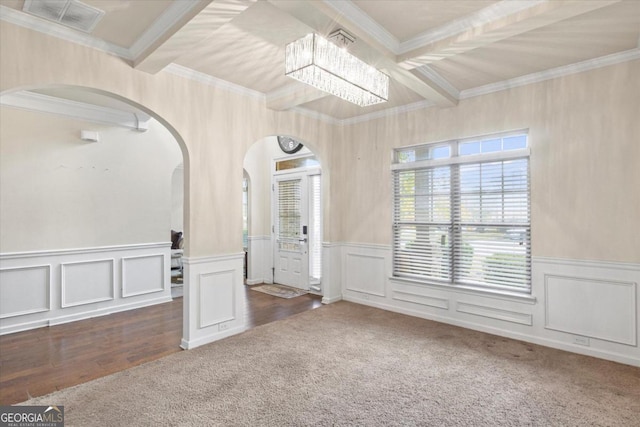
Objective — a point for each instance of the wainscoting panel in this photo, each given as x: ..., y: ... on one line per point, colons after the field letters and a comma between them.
x: 495, y: 313
x: 214, y: 299
x: 421, y: 299
x: 87, y: 282
x: 143, y: 275
x: 24, y: 290
x: 365, y: 273
x: 592, y: 308
x: 586, y: 307
x: 217, y: 298
x: 46, y: 288
x: 260, y: 260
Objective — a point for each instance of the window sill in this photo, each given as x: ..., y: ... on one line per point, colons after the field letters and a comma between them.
x: 465, y: 289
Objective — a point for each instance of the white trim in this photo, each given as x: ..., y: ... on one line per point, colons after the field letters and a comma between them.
x: 427, y: 300
x: 76, y: 251
x: 494, y: 313
x: 588, y: 263
x: 372, y: 246
x: 432, y: 75
x: 190, y: 344
x: 40, y: 25
x: 488, y: 293
x: 393, y: 111
x: 63, y: 282
x: 123, y: 282
x: 213, y: 258
x: 188, y: 73
x: 170, y: 17
x: 547, y: 342
x: 32, y: 101
x: 562, y: 71
x: 327, y: 300
x: 491, y: 13
x: 459, y: 160
x: 315, y: 115
x: 48, y: 286
x: 365, y: 23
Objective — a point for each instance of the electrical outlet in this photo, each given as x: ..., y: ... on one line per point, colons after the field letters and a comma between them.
x: 223, y: 326
x: 577, y: 339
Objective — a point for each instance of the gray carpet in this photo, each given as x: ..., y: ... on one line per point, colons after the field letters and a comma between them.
x: 347, y: 364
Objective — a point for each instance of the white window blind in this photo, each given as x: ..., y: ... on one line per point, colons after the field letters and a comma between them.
x: 315, y: 229
x: 466, y: 222
x: 289, y: 215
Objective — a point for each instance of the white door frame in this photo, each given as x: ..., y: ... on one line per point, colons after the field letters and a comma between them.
x: 289, y: 174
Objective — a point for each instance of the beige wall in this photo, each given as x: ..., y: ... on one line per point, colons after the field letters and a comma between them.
x: 59, y: 192
x: 214, y: 126
x: 584, y: 132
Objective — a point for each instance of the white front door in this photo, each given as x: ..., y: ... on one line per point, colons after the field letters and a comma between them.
x: 291, y: 248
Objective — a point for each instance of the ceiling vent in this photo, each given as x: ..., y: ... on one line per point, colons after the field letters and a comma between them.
x: 72, y: 13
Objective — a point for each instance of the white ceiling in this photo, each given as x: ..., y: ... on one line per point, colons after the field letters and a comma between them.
x: 434, y: 50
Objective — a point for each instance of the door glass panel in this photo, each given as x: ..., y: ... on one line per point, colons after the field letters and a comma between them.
x: 289, y: 215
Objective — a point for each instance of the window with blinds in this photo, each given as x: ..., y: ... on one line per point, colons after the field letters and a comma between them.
x: 289, y: 205
x: 461, y: 213
x: 315, y: 229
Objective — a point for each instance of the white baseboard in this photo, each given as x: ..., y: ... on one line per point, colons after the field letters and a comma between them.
x: 254, y: 281
x: 191, y: 344
x: 326, y: 300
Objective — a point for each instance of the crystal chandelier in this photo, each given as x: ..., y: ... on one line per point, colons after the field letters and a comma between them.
x: 320, y: 63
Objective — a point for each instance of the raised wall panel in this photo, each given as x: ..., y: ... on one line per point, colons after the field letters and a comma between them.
x: 598, y: 309
x: 217, y: 298
x: 87, y: 282
x: 421, y: 299
x: 365, y: 273
x: 24, y: 290
x: 495, y: 313
x: 142, y: 275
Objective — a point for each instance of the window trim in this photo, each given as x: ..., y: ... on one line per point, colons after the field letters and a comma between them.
x: 454, y: 160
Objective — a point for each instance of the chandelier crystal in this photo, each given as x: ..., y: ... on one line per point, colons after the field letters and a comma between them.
x: 317, y: 62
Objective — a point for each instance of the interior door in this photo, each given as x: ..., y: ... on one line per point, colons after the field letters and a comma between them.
x: 291, y: 249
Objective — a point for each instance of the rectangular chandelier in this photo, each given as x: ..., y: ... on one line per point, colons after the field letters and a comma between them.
x: 317, y: 62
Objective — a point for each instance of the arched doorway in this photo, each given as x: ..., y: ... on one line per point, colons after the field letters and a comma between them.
x: 87, y: 181
x: 285, y: 242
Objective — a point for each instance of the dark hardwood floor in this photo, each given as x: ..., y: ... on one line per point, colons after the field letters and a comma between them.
x: 40, y: 361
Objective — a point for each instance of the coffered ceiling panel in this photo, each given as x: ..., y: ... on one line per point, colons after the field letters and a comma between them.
x: 592, y: 35
x: 465, y: 44
x: 406, y: 19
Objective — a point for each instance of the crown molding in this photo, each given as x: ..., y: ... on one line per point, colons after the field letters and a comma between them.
x: 40, y: 25
x: 565, y: 70
x: 393, y: 111
x: 188, y: 73
x: 32, y: 101
x: 316, y: 115
x: 170, y: 17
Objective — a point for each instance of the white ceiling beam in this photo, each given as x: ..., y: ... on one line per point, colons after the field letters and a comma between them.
x: 536, y: 14
x: 323, y: 19
x: 197, y: 24
x: 293, y: 95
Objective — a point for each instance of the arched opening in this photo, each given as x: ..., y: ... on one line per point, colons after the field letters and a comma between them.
x: 89, y: 199
x: 286, y: 215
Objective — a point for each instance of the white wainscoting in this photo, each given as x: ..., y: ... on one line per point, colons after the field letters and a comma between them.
x: 46, y: 288
x: 580, y: 306
x: 214, y: 299
x: 260, y: 260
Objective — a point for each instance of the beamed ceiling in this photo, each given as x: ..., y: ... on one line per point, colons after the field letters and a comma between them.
x: 436, y: 51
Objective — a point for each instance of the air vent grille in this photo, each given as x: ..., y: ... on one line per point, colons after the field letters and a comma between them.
x: 72, y: 13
